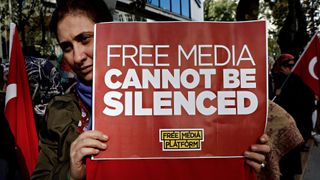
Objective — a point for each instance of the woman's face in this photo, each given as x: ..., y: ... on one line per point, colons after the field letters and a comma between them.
x: 286, y: 66
x: 75, y: 35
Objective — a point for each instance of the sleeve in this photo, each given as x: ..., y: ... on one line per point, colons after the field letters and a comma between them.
x: 284, y: 136
x: 57, y: 133
x: 51, y: 79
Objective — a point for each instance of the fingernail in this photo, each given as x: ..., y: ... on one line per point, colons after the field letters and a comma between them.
x: 105, y: 137
x: 263, y: 139
x: 103, y: 145
x: 246, y: 154
x: 254, y: 148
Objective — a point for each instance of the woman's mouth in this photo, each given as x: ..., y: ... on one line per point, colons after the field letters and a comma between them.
x: 86, y: 69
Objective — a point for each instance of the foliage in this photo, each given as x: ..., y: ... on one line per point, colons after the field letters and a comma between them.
x: 224, y: 10
x: 312, y: 9
x: 275, y: 11
x: 32, y: 18
x: 267, y: 13
x: 279, y: 11
x: 220, y: 10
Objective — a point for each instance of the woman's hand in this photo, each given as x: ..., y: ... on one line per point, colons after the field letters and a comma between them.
x: 88, y: 143
x: 256, y: 156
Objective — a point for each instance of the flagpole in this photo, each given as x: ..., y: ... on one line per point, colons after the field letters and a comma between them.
x: 10, y: 10
x: 10, y: 33
x: 1, y: 53
x: 12, y: 30
x: 300, y: 57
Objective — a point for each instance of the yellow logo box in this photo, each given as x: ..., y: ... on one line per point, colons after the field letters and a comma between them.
x: 181, y: 139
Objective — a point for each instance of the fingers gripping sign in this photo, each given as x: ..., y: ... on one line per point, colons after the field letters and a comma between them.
x: 87, y: 144
x: 257, y: 155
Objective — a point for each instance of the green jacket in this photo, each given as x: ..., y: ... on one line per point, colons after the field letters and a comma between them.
x: 57, y: 133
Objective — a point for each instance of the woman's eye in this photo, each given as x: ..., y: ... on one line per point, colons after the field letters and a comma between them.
x: 85, y: 38
x: 66, y: 46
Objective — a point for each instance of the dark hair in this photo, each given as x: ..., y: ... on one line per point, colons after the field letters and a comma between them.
x: 96, y: 10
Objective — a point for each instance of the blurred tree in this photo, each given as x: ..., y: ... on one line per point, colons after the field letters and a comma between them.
x: 32, y: 18
x: 220, y: 10
x: 312, y: 9
x: 4, y: 28
x: 311, y: 21
x: 225, y: 10
x: 279, y: 11
x: 293, y: 35
x: 276, y: 13
x: 247, y: 10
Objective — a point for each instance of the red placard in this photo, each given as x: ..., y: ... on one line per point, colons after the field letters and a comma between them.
x: 179, y: 89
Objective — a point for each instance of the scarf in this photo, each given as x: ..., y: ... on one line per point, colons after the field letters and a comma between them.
x: 85, y: 93
x: 284, y: 137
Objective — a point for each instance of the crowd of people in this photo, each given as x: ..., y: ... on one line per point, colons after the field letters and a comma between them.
x: 65, y: 134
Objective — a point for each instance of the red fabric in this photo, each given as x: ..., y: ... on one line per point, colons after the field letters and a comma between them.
x: 19, y: 111
x: 285, y: 57
x: 308, y: 66
x: 65, y: 66
x: 184, y: 169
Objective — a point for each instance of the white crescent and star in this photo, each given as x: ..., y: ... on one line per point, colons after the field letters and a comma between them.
x: 11, y: 92
x: 312, y: 64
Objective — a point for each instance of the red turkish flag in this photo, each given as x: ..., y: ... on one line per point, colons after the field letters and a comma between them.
x: 19, y: 111
x: 308, y: 66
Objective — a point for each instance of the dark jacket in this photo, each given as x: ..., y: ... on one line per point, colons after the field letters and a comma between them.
x: 58, y: 131
x: 298, y: 100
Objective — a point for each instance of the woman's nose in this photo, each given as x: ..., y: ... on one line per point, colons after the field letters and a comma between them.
x: 79, y: 54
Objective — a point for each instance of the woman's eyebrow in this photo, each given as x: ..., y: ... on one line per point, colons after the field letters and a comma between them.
x: 64, y: 44
x: 80, y: 36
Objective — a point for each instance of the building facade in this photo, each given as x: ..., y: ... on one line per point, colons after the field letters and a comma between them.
x: 157, y: 10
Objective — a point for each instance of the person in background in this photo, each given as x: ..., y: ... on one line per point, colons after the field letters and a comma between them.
x: 298, y: 100
x: 66, y: 138
x: 293, y: 95
x: 44, y: 82
x: 270, y: 77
